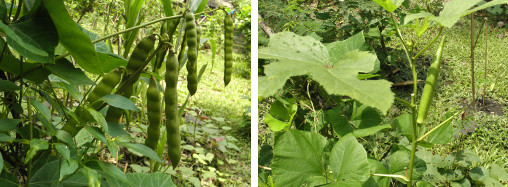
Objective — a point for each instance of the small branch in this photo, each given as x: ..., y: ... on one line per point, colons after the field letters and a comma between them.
x: 264, y: 167
x: 268, y: 31
x: 392, y: 176
x: 405, y: 83
x: 441, y: 124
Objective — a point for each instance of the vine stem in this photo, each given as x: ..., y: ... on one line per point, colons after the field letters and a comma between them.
x: 136, y: 27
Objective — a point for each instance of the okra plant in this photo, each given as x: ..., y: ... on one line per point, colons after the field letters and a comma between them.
x: 325, y: 148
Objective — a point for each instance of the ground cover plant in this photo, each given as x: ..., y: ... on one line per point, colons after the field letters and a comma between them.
x: 329, y: 117
x: 123, y: 93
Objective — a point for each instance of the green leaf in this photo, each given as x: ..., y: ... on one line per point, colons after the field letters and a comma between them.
x: 119, y: 101
x: 340, y: 125
x: 194, y: 4
x: 35, y: 145
x: 99, y: 118
x: 73, y: 39
x: 92, y: 175
x: 111, y: 169
x: 443, y: 134
x: 67, y: 168
x: 348, y: 160
x: 404, y: 125
x: 8, y: 180
x: 8, y: 124
x: 423, y: 184
x: 399, y: 164
x: 3, y: 11
x: 8, y: 86
x: 73, y: 91
x: 370, y: 130
x: 275, y: 125
x: 364, y: 116
x: 167, y: 8
x: 377, y: 167
x: 453, y: 11
x: 6, y: 138
x: 497, y: 172
x: 96, y: 133
x: 34, y: 38
x: 297, y: 155
x: 146, y: 151
x: 389, y: 5
x: 299, y: 55
x: 43, y: 109
x: 338, y: 49
x: 46, y: 175
x: 64, y: 137
x: 479, y: 174
x: 1, y: 163
x: 65, y: 70
x: 108, y: 59
x: 486, y: 5
x: 63, y: 150
x: 150, y: 180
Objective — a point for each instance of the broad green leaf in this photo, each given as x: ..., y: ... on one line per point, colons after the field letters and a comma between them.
x: 370, y: 130
x: 119, y: 102
x: 1, y: 163
x: 377, y: 167
x: 67, y: 168
x: 64, y: 137
x: 46, y: 175
x: 112, y: 147
x: 389, y: 5
x: 303, y: 55
x: 73, y: 39
x: 35, y: 145
x: 338, y: 49
x: 274, y: 124
x: 3, y: 12
x: 423, y: 184
x: 340, y: 125
x: 8, y: 124
x: 297, y: 155
x: 150, y: 180
x: 8, y: 180
x: 63, y: 150
x: 364, y: 116
x: 399, y: 164
x: 96, y: 133
x: 6, y: 138
x: 108, y: 59
x: 315, y: 181
x: 486, y: 5
x: 461, y: 183
x: 453, y: 11
x: 65, y: 70
x: 497, y: 172
x: 348, y: 160
x: 113, y: 171
x: 73, y: 91
x: 467, y: 158
x: 116, y: 129
x: 34, y: 38
x: 146, y: 151
x: 167, y: 7
x: 9, y: 63
x: 43, y: 109
x: 194, y: 4
x: 92, y: 175
x: 479, y: 174
x: 404, y: 124
x: 99, y: 118
x: 443, y: 134
x: 8, y: 86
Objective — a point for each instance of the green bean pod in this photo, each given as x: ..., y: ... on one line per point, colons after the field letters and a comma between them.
x: 171, y: 111
x: 140, y: 53
x: 430, y: 85
x: 107, y: 84
x: 192, y: 53
x: 154, y: 114
x: 228, y: 48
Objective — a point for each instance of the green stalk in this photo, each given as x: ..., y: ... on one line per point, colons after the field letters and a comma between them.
x: 441, y: 124
x: 409, y: 54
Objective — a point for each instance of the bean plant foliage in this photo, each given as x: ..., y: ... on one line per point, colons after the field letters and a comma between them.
x: 58, y: 127
x: 329, y: 142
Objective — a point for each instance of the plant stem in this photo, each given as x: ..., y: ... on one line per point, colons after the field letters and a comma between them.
x: 428, y: 45
x: 441, y: 124
x: 472, y: 60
